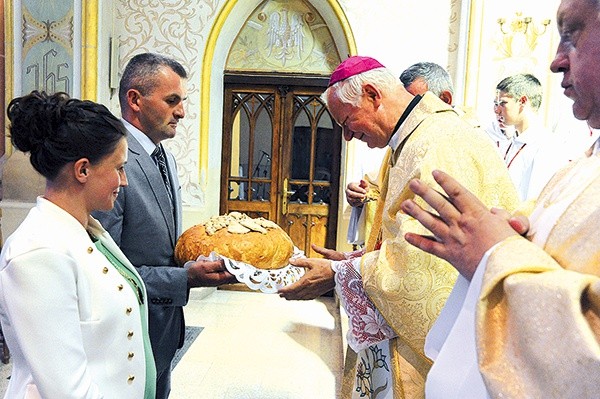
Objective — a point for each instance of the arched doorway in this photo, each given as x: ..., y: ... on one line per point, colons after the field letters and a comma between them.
x: 281, y: 149
x: 225, y: 30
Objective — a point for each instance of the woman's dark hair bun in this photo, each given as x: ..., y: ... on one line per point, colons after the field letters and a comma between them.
x: 34, y: 119
x: 56, y: 130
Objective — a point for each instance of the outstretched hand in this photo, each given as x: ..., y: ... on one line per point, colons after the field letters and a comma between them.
x: 330, y: 254
x: 317, y: 280
x: 519, y: 223
x: 209, y: 273
x: 463, y: 230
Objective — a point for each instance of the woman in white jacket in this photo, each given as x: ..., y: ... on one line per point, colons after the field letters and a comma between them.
x: 72, y: 307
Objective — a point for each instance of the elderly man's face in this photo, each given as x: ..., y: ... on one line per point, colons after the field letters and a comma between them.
x: 578, y: 57
x: 360, y: 122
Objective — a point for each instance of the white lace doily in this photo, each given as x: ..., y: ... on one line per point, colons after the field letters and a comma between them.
x: 267, y: 281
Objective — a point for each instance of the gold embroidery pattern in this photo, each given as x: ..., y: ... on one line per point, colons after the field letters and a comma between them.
x: 409, y: 286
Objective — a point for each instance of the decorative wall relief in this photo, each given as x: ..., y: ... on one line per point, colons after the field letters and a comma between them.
x: 520, y: 35
x: 454, y: 37
x: 176, y: 28
x: 47, y: 46
x: 523, y: 44
x: 284, y: 36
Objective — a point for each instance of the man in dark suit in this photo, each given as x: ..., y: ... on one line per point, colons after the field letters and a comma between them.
x: 146, y: 219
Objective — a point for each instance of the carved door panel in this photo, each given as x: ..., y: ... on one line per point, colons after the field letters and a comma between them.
x: 281, y: 160
x: 310, y: 171
x: 250, y: 157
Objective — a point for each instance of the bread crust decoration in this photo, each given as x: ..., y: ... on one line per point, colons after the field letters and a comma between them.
x: 258, y: 242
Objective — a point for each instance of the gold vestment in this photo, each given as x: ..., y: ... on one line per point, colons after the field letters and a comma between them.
x: 538, y: 318
x: 408, y: 286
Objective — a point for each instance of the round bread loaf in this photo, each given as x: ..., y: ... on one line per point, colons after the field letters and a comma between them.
x: 268, y: 248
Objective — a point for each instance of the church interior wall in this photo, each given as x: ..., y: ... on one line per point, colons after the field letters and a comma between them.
x: 460, y: 35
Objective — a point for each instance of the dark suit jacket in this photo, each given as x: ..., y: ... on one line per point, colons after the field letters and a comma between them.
x: 145, y: 228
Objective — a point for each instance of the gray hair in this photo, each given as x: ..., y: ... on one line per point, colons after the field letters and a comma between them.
x: 437, y: 78
x: 349, y: 91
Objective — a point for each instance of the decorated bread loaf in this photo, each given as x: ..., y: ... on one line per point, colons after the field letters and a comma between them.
x: 258, y: 242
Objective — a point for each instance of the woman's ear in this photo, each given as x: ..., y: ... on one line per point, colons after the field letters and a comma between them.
x: 81, y: 169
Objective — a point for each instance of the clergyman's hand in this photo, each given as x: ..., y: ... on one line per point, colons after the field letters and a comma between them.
x: 356, y: 193
x: 209, y: 273
x: 464, y: 230
x: 318, y: 279
x: 519, y: 223
x: 330, y: 254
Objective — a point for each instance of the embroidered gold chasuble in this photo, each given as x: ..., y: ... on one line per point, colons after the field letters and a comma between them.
x: 375, y: 191
x: 408, y: 286
x: 538, y: 319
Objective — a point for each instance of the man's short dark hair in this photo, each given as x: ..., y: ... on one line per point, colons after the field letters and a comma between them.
x: 140, y: 73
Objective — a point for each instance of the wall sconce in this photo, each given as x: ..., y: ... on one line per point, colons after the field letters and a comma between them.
x: 520, y: 32
x: 523, y: 25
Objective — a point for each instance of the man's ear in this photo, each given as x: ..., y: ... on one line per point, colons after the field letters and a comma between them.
x: 523, y: 100
x: 372, y: 93
x: 446, y: 97
x: 133, y: 99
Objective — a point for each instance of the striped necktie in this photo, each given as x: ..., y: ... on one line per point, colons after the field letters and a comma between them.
x: 158, y: 156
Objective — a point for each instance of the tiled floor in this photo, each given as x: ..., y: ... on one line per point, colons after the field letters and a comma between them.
x: 257, y: 346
